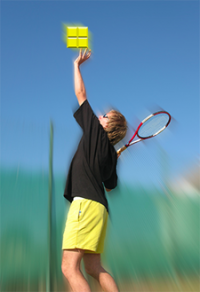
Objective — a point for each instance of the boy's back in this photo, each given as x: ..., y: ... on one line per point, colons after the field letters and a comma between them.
x: 94, y: 162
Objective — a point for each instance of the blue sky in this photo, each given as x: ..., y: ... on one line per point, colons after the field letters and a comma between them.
x: 145, y: 58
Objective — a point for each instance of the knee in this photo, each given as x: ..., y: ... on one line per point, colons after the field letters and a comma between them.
x: 66, y: 271
x: 63, y: 269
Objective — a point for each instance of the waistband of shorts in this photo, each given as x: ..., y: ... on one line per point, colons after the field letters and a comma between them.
x: 78, y: 198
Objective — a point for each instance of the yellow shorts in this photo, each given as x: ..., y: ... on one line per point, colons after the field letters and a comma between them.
x: 86, y: 226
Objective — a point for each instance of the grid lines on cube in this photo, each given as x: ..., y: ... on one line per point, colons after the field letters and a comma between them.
x: 77, y: 37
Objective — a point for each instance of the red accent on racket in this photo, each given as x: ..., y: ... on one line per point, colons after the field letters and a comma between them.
x: 153, y: 125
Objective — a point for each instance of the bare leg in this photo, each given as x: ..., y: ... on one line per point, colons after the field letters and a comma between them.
x: 71, y: 269
x: 93, y: 267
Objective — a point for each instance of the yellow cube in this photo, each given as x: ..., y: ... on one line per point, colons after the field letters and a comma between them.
x: 83, y: 32
x: 83, y: 42
x: 72, y: 43
x: 72, y: 31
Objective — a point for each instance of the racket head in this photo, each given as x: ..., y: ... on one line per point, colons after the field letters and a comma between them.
x: 153, y: 125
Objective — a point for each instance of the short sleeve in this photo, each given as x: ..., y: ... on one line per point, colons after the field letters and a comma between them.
x: 111, y: 182
x: 85, y: 116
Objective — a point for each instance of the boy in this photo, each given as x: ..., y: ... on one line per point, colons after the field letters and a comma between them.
x: 93, y: 165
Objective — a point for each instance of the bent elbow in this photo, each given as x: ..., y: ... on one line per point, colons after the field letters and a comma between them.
x: 108, y: 190
x: 81, y: 97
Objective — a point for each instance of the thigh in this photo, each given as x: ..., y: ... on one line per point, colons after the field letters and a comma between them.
x: 92, y: 263
x: 71, y: 259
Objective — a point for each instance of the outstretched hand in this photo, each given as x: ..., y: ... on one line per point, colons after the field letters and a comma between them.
x: 82, y: 57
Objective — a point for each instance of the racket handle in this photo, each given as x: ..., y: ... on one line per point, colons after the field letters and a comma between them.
x: 121, y: 150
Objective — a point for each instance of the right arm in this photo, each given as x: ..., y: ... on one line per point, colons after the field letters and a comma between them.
x: 79, y: 86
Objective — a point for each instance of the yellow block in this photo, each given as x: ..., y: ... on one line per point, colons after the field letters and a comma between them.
x: 72, y: 31
x: 83, y: 42
x: 72, y: 43
x: 83, y: 32
x: 76, y: 36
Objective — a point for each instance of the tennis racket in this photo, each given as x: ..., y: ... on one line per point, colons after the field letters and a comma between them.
x: 150, y: 127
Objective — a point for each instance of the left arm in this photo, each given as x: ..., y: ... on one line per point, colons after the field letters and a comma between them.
x: 79, y: 86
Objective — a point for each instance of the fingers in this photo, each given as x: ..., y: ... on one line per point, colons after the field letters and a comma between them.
x: 83, y: 57
x: 119, y: 153
x: 86, y: 54
x: 89, y: 53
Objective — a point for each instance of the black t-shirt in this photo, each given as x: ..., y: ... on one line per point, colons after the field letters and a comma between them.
x: 94, y: 163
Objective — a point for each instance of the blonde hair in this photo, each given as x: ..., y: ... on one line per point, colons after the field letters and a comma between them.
x: 117, y: 127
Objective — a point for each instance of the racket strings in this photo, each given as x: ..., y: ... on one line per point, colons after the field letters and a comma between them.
x: 153, y: 125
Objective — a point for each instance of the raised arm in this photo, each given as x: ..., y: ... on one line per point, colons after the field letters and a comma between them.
x: 79, y: 86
